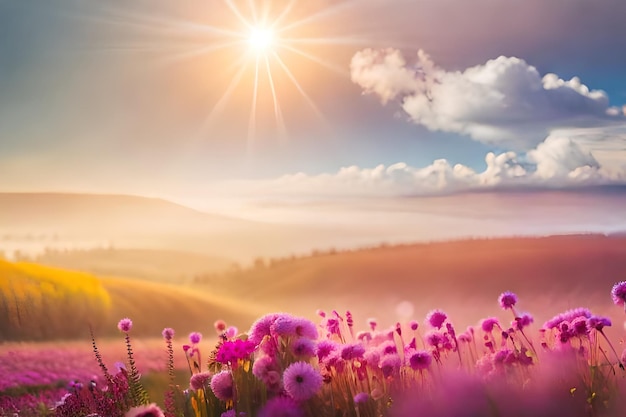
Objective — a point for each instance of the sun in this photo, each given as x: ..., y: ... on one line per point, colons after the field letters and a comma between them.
x: 261, y: 39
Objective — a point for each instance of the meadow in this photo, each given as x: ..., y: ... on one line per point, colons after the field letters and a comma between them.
x: 448, y: 346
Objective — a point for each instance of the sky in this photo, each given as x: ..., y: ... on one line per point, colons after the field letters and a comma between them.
x: 353, y: 97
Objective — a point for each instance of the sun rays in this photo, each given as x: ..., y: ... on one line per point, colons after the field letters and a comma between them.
x: 257, y: 49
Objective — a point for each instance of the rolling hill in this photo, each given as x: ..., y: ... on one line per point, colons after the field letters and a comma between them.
x: 43, y: 303
x: 464, y: 278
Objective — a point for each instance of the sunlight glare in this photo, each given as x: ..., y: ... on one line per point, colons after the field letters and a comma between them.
x: 261, y: 39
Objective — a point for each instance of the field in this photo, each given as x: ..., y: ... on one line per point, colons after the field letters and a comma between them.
x: 396, y: 284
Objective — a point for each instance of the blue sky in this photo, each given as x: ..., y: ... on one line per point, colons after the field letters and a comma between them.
x: 106, y: 97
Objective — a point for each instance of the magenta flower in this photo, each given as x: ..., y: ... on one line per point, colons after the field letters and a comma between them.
x: 598, y: 322
x: 195, y: 338
x: 125, y: 325
x: 261, y: 328
x: 222, y: 385
x: 489, y: 323
x: 352, y: 351
x: 301, y: 381
x: 200, y: 380
x: 420, y: 360
x: 413, y: 325
x: 150, y: 410
x: 264, y: 365
x: 281, y: 407
x: 507, y: 300
x: 361, y: 398
x: 390, y: 364
x: 303, y: 347
x: 436, y: 318
x: 230, y: 352
x: 168, y: 333
x: 618, y: 293
x: 325, y: 348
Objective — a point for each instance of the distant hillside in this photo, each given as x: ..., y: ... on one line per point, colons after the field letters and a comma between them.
x: 463, y: 277
x: 42, y: 303
x: 152, y: 265
x: 32, y: 222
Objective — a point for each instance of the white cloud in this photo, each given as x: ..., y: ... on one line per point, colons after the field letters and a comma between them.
x: 504, y: 101
x: 557, y: 162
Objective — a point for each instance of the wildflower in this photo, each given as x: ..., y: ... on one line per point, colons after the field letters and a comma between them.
x: 332, y: 325
x: 361, y: 398
x: 420, y: 360
x: 387, y: 348
x: 489, y: 323
x: 364, y: 336
x: 618, y: 293
x: 222, y: 385
x: 125, y: 325
x: 598, y: 322
x: 220, y: 326
x: 303, y: 347
x: 195, y: 338
x: 352, y: 351
x: 232, y: 351
x: 524, y: 320
x: 264, y: 365
x: 579, y: 324
x: 325, y: 348
x: 436, y: 318
x: 413, y: 325
x: 283, y: 326
x: 200, y: 380
x: 231, y: 332
x: 261, y: 328
x: 301, y: 381
x: 305, y: 328
x: 390, y: 364
x: 281, y: 407
x: 150, y: 410
x: 168, y: 333
x: 507, y: 300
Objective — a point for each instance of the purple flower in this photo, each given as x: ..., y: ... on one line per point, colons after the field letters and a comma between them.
x: 195, y: 338
x: 390, y: 364
x: 598, y: 322
x: 303, y: 347
x: 261, y: 328
x: 580, y: 326
x: 420, y: 360
x: 436, y: 318
x: 325, y: 348
x: 264, y: 365
x: 618, y: 293
x: 301, y: 381
x: 150, y: 410
x: 200, y: 380
x: 305, y: 328
x: 281, y: 407
x: 489, y: 323
x: 168, y: 333
x: 507, y: 300
x: 222, y: 385
x: 361, y: 398
x: 125, y: 325
x: 352, y: 351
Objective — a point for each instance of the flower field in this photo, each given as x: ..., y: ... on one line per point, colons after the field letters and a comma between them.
x: 291, y: 366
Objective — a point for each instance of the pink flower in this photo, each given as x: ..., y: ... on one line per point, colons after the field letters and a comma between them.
x: 301, y: 381
x: 125, y: 325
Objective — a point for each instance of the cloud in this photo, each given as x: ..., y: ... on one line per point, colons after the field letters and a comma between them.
x: 504, y: 102
x: 558, y: 162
